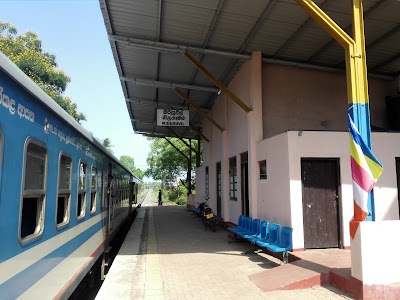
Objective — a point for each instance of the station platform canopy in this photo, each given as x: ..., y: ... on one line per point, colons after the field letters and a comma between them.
x: 149, y: 40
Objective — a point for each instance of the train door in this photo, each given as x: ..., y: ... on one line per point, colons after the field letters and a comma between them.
x: 103, y: 190
x: 110, y: 197
x: 131, y: 195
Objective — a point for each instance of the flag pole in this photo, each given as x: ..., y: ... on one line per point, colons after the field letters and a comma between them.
x: 357, y: 91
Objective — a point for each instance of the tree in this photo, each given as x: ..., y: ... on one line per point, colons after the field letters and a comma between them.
x: 107, y: 144
x: 26, y: 52
x: 165, y: 161
x: 129, y: 162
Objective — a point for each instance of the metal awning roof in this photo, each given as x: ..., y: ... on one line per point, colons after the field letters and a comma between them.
x: 149, y: 37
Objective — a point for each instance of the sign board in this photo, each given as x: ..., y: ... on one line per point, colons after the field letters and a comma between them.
x: 172, y: 117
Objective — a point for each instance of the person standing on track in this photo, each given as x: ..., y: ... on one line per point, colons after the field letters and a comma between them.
x: 159, y: 198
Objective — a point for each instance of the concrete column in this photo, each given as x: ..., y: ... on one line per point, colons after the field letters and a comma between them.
x: 374, y: 264
x: 255, y: 128
x: 225, y: 167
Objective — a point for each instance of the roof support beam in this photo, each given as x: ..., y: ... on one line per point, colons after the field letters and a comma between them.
x: 169, y: 85
x: 242, y: 57
x: 154, y: 135
x: 200, y: 134
x: 181, y: 138
x: 169, y: 47
x: 248, y: 38
x: 177, y: 149
x: 357, y: 85
x: 217, y: 82
x: 190, y: 102
x: 332, y: 41
x: 211, y: 28
x: 376, y: 42
x: 160, y: 4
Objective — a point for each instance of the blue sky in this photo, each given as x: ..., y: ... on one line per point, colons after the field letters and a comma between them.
x: 74, y: 32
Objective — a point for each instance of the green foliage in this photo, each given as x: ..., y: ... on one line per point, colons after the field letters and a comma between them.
x: 171, y: 195
x: 107, y: 144
x: 26, y: 52
x: 165, y: 161
x: 129, y: 162
x: 177, y: 194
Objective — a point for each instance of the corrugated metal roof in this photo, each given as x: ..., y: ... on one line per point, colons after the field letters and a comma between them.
x: 280, y: 29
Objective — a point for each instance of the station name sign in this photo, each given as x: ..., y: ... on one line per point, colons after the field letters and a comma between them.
x: 172, y: 117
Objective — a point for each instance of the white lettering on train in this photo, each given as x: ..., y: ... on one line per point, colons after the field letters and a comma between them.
x: 24, y: 112
x: 6, y: 101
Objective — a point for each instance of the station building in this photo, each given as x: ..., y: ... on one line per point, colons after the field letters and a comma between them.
x: 287, y: 161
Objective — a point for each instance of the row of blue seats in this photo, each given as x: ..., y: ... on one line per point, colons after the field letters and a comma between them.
x: 260, y: 233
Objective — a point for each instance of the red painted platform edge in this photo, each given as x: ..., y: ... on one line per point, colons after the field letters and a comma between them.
x: 361, y: 291
x: 320, y: 279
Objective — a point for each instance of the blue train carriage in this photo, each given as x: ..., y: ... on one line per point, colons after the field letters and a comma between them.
x: 58, y: 208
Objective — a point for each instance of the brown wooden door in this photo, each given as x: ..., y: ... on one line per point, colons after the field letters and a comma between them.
x: 320, y: 203
x: 398, y: 181
x: 245, y: 184
x: 219, y: 189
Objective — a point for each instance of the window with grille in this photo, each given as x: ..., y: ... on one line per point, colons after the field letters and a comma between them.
x: 64, y: 190
x: 233, y: 178
x: 93, y: 189
x: 34, y: 191
x: 81, y: 203
x: 263, y: 169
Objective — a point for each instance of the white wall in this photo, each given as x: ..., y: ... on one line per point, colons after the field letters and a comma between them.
x: 274, y: 202
x: 227, y: 144
x: 319, y: 144
x: 295, y: 98
x: 366, y: 249
x: 281, y: 199
x: 200, y: 186
x: 386, y: 146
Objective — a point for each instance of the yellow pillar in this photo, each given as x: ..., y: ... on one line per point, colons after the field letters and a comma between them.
x: 356, y: 73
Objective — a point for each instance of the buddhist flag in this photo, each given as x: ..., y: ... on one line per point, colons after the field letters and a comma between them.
x: 366, y: 170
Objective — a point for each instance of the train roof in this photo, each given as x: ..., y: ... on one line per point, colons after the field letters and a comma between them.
x: 15, y: 72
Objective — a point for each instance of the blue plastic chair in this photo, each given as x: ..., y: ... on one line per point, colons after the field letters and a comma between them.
x: 239, y: 225
x: 254, y: 229
x: 285, y: 243
x: 246, y: 226
x: 273, y: 236
x: 262, y: 235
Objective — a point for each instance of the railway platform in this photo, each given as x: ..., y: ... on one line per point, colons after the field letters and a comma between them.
x: 168, y: 254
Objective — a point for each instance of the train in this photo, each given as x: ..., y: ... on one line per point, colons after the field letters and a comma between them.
x: 63, y: 196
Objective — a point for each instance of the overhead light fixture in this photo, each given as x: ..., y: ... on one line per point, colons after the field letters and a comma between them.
x: 219, y: 92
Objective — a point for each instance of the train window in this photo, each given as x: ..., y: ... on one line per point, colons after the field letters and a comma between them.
x: 34, y: 192
x: 81, y: 205
x: 64, y: 190
x: 93, y: 188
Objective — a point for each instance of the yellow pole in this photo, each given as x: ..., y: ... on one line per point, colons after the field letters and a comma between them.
x: 357, y: 84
